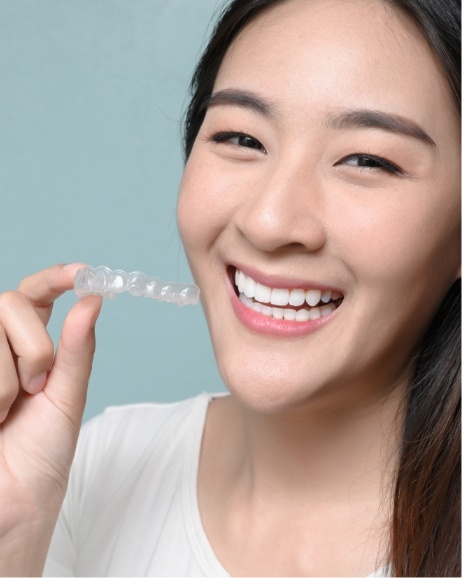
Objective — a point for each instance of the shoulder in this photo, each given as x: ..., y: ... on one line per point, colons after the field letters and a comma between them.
x: 126, y: 438
x: 129, y: 469
x: 144, y: 416
x: 140, y: 424
x: 125, y: 444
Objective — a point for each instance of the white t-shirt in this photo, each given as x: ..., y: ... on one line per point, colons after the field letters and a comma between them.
x: 131, y: 507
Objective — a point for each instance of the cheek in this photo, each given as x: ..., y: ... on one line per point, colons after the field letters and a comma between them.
x: 194, y: 210
x: 207, y: 201
x: 405, y: 245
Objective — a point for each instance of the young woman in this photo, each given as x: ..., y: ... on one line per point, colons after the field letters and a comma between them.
x: 320, y: 211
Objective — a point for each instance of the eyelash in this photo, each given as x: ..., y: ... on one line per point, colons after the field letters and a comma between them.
x: 226, y: 136
x: 380, y: 161
x: 383, y: 164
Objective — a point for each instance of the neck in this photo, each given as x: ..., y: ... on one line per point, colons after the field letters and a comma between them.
x: 301, y: 477
x: 312, y: 453
x: 323, y: 454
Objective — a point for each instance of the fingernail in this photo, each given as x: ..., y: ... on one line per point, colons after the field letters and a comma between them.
x: 37, y: 383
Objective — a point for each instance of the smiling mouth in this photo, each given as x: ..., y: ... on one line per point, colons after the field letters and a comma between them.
x: 298, y: 304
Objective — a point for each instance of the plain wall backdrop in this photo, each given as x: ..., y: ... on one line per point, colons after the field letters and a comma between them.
x: 92, y: 94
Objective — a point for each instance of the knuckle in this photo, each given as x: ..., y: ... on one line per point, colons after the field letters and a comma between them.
x: 41, y: 352
x: 8, y: 393
x: 25, y: 281
x: 12, y: 299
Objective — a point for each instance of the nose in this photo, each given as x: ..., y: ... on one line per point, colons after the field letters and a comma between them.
x: 283, y: 210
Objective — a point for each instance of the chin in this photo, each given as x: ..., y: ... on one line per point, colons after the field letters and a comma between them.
x: 268, y: 392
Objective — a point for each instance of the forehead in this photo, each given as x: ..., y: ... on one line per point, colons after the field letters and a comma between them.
x: 309, y: 55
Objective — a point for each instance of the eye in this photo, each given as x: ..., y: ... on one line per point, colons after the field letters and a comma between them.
x: 238, y: 139
x: 368, y: 161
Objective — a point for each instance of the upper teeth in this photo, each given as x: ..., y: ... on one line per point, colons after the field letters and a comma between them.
x: 282, y: 297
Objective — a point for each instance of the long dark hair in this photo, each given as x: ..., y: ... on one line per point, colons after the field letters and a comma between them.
x: 425, y: 528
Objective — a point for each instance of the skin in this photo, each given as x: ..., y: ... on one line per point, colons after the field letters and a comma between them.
x: 302, y: 452
x: 39, y: 432
x: 299, y: 457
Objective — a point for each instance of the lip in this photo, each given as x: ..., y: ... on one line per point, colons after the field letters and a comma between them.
x: 260, y: 323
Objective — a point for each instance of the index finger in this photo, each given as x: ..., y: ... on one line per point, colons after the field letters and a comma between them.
x: 45, y: 286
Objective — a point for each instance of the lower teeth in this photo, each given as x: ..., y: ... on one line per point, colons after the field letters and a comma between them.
x: 288, y: 314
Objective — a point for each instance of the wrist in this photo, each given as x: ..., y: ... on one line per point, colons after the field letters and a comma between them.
x: 24, y: 545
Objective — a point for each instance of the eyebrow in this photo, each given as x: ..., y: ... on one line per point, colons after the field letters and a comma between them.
x: 349, y: 119
x: 365, y: 118
x: 241, y: 98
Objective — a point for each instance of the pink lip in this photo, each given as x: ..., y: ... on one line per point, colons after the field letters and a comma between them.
x: 268, y: 325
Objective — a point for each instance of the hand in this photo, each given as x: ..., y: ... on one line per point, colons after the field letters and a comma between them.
x: 41, y: 406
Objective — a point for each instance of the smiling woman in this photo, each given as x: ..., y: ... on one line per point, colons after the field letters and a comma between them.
x: 320, y: 213
x: 320, y: 164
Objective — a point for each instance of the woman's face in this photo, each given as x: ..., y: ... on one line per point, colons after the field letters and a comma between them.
x: 327, y: 166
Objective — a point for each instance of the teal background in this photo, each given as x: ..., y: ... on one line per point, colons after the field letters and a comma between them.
x: 92, y: 94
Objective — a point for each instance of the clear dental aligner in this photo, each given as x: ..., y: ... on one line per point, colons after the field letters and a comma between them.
x: 106, y: 283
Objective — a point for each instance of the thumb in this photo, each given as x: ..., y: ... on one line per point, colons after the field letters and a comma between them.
x: 67, y: 382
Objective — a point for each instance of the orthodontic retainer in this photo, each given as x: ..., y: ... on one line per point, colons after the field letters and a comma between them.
x: 106, y: 283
